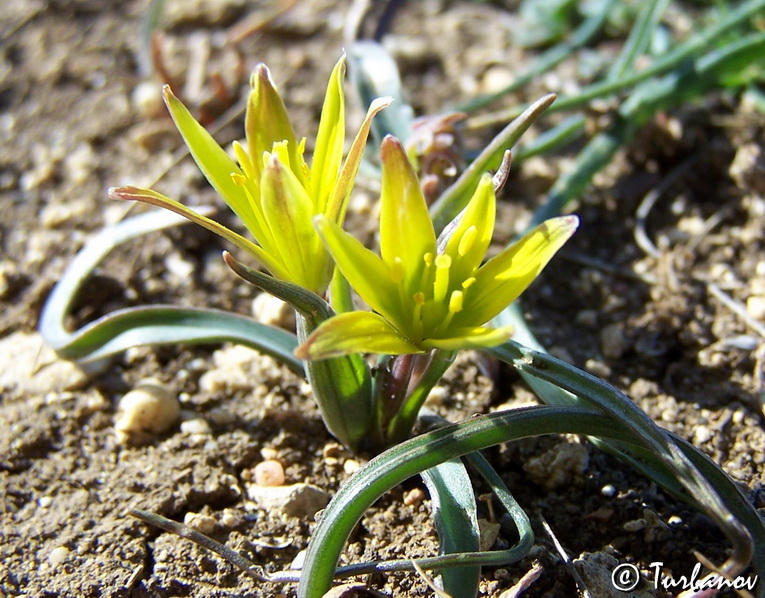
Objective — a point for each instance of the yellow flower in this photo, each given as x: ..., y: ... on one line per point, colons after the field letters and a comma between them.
x: 428, y: 293
x: 272, y: 189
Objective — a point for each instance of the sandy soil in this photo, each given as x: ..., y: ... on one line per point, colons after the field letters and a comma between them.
x: 647, y: 318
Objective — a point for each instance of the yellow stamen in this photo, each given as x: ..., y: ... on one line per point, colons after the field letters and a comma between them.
x: 441, y: 284
x: 467, y: 241
x: 397, y: 270
x: 419, y: 301
x: 468, y: 282
x: 455, y: 301
x: 245, y: 162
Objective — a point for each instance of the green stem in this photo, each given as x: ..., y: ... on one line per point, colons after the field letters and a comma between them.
x: 422, y: 452
x: 399, y: 427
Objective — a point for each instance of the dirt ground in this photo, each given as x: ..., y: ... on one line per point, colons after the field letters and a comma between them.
x: 78, y: 115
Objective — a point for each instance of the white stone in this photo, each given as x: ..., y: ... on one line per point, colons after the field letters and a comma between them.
x: 58, y: 556
x: 29, y: 367
x: 296, y: 500
x: 149, y: 409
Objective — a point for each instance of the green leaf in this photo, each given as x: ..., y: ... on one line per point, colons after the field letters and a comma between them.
x: 328, y: 153
x: 309, y: 304
x: 147, y: 325
x: 423, y: 452
x: 342, y: 387
x: 354, y: 332
x: 454, y: 512
x: 211, y: 158
x: 456, y: 197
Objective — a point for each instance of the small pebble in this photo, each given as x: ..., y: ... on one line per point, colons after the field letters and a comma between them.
x: 608, y: 490
x: 44, y: 502
x: 58, y: 556
x: 197, y: 425
x: 755, y: 307
x: 351, y: 466
x: 202, y: 523
x: 149, y: 409
x: 297, y: 500
x: 597, y: 368
x: 414, y: 497
x: 613, y: 341
x: 147, y: 99
x: 275, y: 312
x: 269, y: 473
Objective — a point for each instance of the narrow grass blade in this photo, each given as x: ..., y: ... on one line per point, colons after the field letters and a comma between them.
x: 454, y: 512
x: 423, y: 452
x: 639, y: 38
x: 547, y: 60
x: 147, y: 325
x: 456, y: 197
x: 663, y: 453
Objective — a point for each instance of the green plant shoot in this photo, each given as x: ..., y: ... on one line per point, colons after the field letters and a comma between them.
x: 428, y: 293
x: 272, y: 189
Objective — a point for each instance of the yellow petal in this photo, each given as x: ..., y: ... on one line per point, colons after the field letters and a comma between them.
x: 470, y: 238
x: 266, y: 121
x: 369, y: 276
x: 328, y: 153
x: 473, y: 338
x: 354, y: 332
x: 503, y: 278
x: 289, y: 212
x: 335, y: 209
x: 406, y: 231
x: 154, y: 198
x: 211, y: 158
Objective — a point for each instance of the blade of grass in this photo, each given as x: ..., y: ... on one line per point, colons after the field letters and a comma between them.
x: 423, y: 452
x: 147, y: 325
x: 681, y: 53
x: 456, y: 197
x: 454, y: 511
x: 639, y: 38
x: 594, y: 391
x: 546, y: 61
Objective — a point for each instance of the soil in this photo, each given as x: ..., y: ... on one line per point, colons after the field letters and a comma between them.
x: 79, y: 114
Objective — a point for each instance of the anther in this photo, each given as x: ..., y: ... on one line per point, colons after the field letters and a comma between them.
x: 441, y: 284
x: 467, y: 241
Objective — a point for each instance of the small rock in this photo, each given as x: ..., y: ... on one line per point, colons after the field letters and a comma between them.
x: 296, y: 500
x: 58, y: 556
x: 351, y: 466
x: 202, y: 523
x: 147, y: 99
x: 755, y: 307
x: 196, y: 425
x: 597, y: 368
x: 202, y: 12
x: 273, y: 311
x: 559, y: 466
x: 414, y: 496
x: 596, y: 569
x: 269, y: 473
x: 29, y: 367
x: 149, y: 409
x: 489, y: 531
x: 613, y: 342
